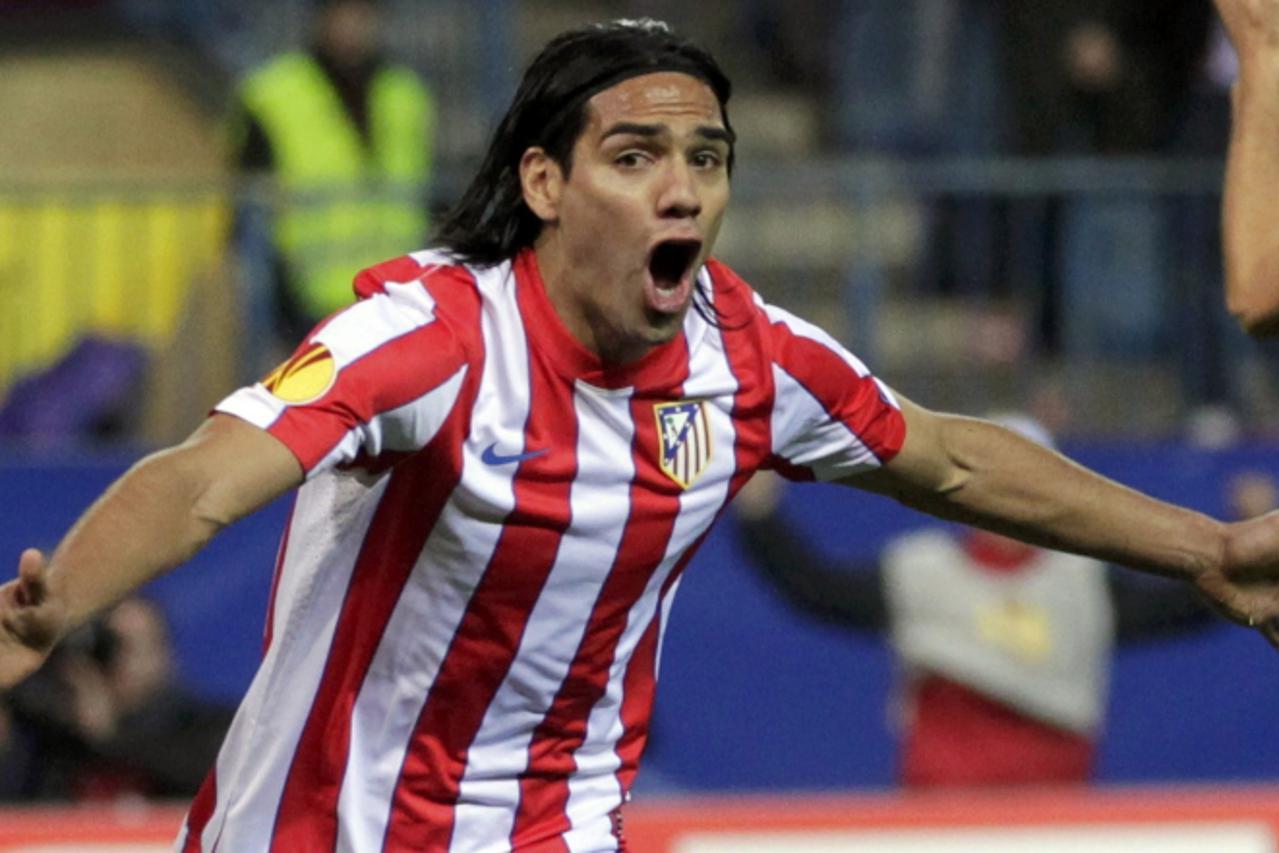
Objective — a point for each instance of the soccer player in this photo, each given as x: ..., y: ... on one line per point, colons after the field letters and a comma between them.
x: 1252, y: 167
x: 509, y: 449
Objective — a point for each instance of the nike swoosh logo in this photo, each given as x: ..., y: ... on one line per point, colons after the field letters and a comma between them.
x: 490, y: 456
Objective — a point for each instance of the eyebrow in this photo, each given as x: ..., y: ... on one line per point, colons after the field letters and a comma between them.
x: 710, y: 132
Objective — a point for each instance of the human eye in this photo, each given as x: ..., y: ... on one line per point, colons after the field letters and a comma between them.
x: 632, y: 158
x: 707, y: 159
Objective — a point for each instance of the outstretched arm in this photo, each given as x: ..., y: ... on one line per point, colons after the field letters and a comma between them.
x: 159, y: 514
x: 981, y: 474
x: 1252, y: 168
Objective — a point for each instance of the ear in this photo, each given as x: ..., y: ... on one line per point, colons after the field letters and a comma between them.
x: 542, y: 181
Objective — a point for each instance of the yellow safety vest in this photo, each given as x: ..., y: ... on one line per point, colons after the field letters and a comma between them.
x: 347, y: 203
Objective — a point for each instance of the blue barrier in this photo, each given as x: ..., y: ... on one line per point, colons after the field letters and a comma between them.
x: 753, y: 694
x: 216, y: 604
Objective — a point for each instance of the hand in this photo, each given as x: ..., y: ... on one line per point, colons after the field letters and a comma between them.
x: 93, y: 708
x: 759, y: 497
x: 31, y: 619
x: 1246, y: 587
x: 1253, y: 604
x: 1253, y: 25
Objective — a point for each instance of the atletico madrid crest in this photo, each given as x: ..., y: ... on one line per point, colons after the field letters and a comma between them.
x: 685, y: 440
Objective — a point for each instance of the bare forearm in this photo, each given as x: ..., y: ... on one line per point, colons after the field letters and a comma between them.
x: 1252, y: 185
x: 997, y: 480
x: 146, y: 523
x: 157, y: 515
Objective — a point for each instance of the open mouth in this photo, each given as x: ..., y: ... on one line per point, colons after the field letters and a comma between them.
x: 670, y: 264
x: 671, y: 260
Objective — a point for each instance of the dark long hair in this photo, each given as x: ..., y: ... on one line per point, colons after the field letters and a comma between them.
x: 491, y: 223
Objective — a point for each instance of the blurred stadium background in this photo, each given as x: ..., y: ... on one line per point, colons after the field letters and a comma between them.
x: 898, y: 181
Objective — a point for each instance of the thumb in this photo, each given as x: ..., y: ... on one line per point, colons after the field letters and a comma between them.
x: 32, y: 588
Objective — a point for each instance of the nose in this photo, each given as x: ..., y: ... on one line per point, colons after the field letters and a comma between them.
x: 679, y: 197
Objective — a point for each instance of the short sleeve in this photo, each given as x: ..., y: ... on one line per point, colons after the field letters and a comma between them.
x: 373, y: 382
x: 830, y: 416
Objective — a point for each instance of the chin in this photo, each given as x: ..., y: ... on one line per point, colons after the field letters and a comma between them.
x: 664, y: 328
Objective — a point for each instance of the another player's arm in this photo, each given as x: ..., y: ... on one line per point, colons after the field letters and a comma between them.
x: 1251, y: 240
x: 159, y: 514
x: 849, y: 593
x: 979, y: 473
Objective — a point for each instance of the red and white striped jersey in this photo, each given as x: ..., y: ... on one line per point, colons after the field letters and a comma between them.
x: 462, y: 642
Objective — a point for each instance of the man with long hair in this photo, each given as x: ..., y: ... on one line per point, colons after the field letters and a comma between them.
x: 508, y: 450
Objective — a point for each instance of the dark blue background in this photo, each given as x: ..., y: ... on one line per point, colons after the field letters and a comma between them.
x: 753, y: 694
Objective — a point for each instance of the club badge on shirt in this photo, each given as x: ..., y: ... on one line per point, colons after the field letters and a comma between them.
x: 305, y: 377
x: 685, y: 440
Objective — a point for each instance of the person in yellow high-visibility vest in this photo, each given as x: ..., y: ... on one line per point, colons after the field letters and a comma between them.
x: 348, y: 137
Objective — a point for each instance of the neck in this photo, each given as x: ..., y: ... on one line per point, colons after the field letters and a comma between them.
x: 584, y: 322
x: 347, y: 67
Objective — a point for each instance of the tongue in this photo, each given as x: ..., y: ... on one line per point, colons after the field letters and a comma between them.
x: 667, y: 297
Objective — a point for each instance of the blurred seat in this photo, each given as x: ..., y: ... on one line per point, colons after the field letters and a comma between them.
x: 86, y: 393
x: 113, y: 204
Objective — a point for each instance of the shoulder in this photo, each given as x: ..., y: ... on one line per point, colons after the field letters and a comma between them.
x: 278, y: 70
x: 278, y: 86
x: 777, y: 336
x: 929, y: 540
x: 741, y: 306
x: 731, y: 292
x: 413, y: 328
x: 419, y: 274
x: 425, y: 289
x: 784, y: 337
x: 740, y: 311
x: 403, y: 79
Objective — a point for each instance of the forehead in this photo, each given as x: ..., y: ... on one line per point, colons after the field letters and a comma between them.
x: 656, y: 97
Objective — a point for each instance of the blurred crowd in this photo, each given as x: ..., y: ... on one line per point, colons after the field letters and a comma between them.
x: 107, y: 718
x: 1122, y: 274
x: 1127, y: 271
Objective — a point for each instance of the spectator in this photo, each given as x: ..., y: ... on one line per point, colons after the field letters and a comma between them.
x: 155, y: 738
x: 1217, y: 362
x: 1003, y: 647
x: 920, y: 79
x: 1101, y: 76
x: 50, y: 716
x: 348, y: 137
x: 1098, y: 78
x: 16, y: 761
x: 108, y: 718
